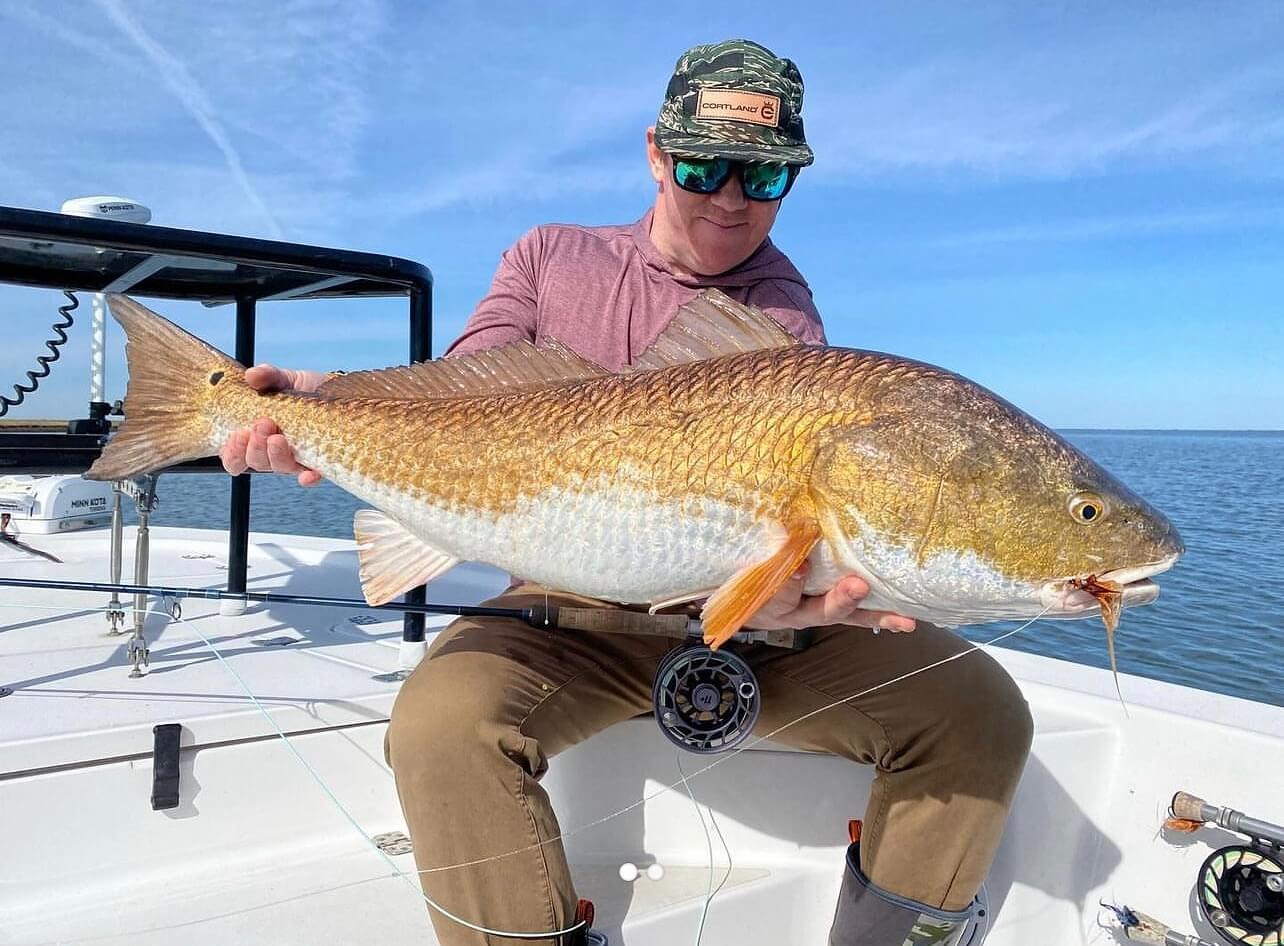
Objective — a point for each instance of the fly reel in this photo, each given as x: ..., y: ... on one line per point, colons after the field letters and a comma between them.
x: 1240, y: 888
x: 1241, y: 893
x: 705, y: 700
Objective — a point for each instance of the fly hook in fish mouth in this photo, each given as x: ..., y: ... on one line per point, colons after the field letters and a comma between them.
x: 1109, y: 595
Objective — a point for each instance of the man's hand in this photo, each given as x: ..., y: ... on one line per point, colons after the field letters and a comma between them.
x: 262, y: 446
x: 789, y: 608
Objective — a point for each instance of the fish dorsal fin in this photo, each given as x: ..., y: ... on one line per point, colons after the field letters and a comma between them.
x: 710, y: 325
x: 393, y: 560
x: 517, y: 366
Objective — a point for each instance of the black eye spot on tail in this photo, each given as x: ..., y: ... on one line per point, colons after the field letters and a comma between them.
x: 216, y: 377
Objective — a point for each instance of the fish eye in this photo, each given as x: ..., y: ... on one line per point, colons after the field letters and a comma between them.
x: 1087, y: 507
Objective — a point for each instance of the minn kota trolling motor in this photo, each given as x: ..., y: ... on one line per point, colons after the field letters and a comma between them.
x: 1239, y: 888
x: 705, y: 701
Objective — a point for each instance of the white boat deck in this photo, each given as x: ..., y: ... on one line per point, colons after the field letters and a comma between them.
x: 257, y: 853
x: 327, y: 666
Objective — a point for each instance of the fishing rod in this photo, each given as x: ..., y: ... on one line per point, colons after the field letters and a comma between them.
x: 705, y: 701
x: 605, y: 620
x: 599, y: 620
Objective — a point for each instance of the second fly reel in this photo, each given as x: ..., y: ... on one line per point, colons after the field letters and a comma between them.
x: 1241, y: 893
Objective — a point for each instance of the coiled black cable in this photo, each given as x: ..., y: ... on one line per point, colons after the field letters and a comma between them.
x: 44, y: 361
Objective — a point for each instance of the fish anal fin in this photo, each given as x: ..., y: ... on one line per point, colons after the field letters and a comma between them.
x: 517, y: 366
x: 709, y: 326
x: 744, y: 593
x: 393, y: 559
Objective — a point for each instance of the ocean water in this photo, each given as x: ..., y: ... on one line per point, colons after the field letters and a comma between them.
x: 1218, y: 624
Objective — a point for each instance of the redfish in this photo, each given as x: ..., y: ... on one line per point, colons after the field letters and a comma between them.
x: 722, y: 460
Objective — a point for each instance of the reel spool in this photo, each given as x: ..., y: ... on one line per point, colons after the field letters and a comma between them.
x: 705, y: 700
x: 1241, y: 893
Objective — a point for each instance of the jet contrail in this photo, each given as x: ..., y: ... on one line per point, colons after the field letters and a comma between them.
x: 193, y: 98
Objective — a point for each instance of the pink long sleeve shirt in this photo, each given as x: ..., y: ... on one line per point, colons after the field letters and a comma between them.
x: 607, y: 293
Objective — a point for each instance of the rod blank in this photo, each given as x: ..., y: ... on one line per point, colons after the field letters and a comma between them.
x: 218, y: 594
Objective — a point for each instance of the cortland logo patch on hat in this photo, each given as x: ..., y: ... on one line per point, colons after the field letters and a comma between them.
x: 753, y: 107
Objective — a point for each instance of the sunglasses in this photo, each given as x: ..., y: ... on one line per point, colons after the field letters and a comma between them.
x: 759, y: 180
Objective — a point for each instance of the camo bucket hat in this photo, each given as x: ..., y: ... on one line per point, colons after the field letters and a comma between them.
x: 734, y: 99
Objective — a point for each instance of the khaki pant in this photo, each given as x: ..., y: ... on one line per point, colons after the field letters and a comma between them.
x: 475, y: 725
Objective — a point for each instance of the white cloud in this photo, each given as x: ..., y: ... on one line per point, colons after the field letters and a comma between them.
x: 189, y: 92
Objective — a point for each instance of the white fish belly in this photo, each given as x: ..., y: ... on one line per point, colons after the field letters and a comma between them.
x: 608, y: 541
x: 622, y: 545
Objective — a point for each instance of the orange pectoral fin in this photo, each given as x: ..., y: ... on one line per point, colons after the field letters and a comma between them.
x: 749, y: 589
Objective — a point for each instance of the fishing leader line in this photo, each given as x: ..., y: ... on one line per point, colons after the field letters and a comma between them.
x: 684, y: 780
x: 383, y: 855
x: 673, y: 786
x: 726, y: 849
x: 971, y: 648
x: 404, y: 875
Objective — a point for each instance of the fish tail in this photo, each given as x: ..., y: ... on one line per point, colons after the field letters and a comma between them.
x: 168, y: 415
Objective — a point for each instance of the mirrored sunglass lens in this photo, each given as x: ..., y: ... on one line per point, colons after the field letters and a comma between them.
x: 766, y: 181
x: 702, y: 176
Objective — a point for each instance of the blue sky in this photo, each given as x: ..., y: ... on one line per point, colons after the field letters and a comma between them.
x: 1078, y: 205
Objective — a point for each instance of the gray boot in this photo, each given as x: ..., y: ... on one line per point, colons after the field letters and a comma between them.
x: 869, y: 916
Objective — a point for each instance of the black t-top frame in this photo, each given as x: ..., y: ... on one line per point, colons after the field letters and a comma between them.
x: 59, y: 251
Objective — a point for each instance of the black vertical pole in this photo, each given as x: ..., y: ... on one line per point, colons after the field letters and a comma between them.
x: 412, y: 628
x: 238, y: 543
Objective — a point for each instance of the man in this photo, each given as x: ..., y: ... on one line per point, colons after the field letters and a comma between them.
x: 474, y: 726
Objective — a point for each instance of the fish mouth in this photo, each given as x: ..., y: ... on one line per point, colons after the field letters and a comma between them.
x: 1066, y: 596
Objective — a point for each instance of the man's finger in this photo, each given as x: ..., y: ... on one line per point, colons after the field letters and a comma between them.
x: 837, y: 604
x: 779, y: 605
x: 853, y: 586
x: 884, y: 620
x: 266, y: 377
x: 832, y: 607
x: 256, y: 453
x: 789, y: 594
x: 233, y: 452
x: 281, y: 456
x: 310, y: 478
